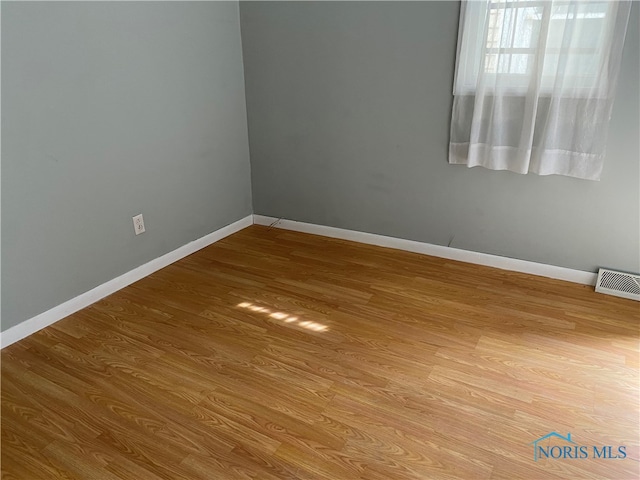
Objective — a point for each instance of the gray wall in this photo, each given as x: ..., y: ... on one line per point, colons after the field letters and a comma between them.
x: 349, y: 107
x: 111, y: 109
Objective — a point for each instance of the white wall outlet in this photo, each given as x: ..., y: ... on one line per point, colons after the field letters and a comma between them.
x: 138, y: 224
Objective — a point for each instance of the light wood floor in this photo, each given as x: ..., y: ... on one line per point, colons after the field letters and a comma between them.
x: 274, y: 354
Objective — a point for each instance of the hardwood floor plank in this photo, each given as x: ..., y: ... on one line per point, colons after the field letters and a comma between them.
x: 279, y: 355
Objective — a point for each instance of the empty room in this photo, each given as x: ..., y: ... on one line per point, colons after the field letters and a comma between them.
x: 320, y: 240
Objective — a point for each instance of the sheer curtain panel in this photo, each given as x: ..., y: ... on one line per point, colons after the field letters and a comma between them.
x: 535, y: 83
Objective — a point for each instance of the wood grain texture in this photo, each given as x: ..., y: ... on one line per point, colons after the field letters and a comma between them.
x: 281, y: 355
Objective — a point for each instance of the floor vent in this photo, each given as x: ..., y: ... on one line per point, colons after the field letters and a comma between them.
x: 620, y: 284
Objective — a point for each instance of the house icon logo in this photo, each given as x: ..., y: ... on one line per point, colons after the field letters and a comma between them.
x: 566, y: 439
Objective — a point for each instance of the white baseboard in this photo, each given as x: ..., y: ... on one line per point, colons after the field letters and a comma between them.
x: 504, y: 263
x: 32, y: 325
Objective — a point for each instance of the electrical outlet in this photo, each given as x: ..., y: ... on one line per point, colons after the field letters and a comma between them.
x: 138, y: 224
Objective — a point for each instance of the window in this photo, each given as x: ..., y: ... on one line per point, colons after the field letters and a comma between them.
x: 535, y: 84
x: 511, y: 39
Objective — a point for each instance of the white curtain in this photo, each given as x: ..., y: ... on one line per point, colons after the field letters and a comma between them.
x: 535, y: 84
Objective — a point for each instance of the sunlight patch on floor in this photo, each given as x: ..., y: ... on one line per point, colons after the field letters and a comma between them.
x: 291, y: 319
